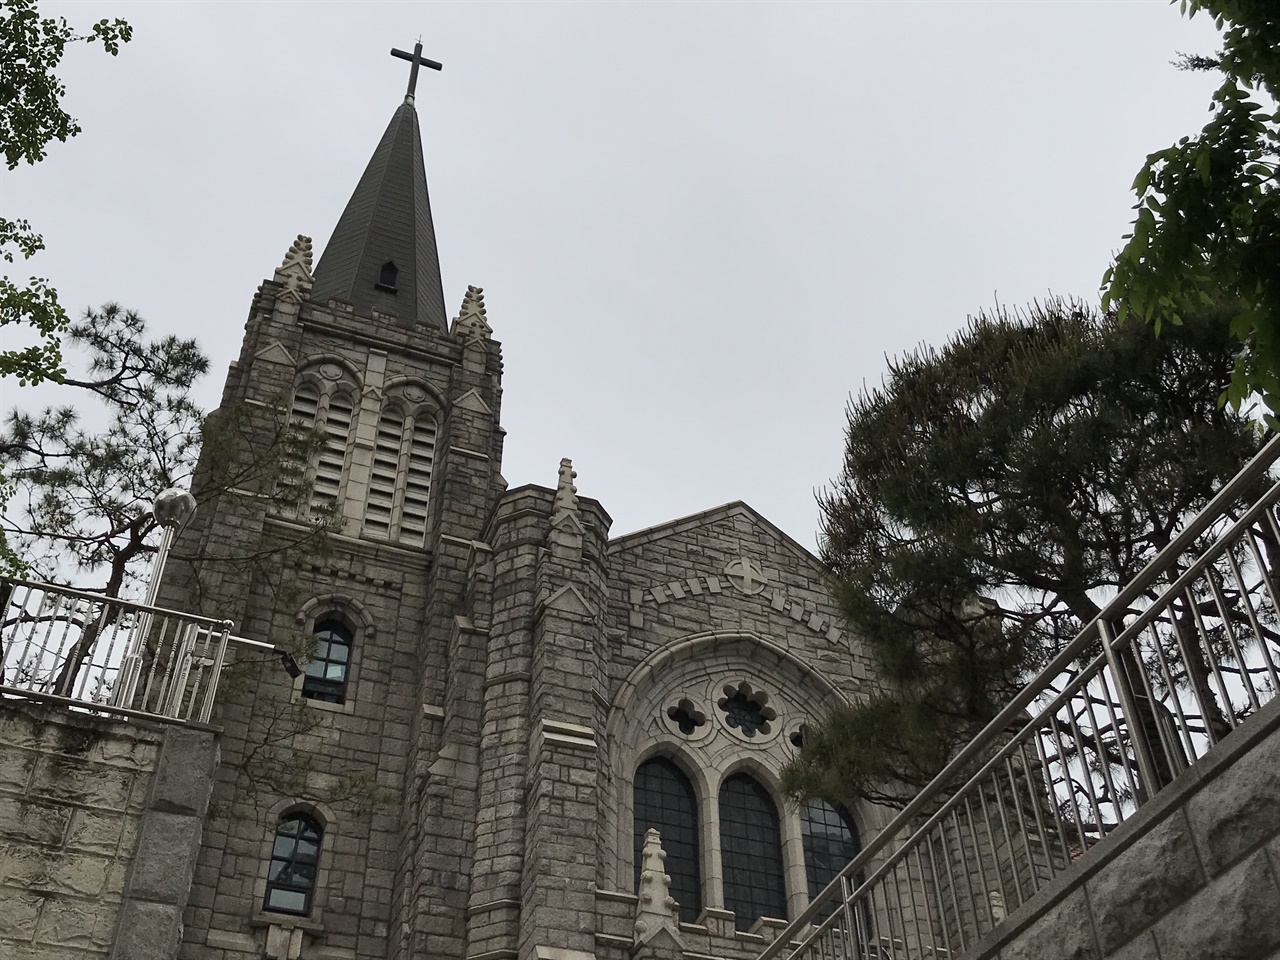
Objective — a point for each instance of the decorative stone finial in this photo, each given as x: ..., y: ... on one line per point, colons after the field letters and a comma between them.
x: 566, y: 527
x: 470, y: 323
x: 656, y: 910
x: 295, y: 272
x: 566, y: 492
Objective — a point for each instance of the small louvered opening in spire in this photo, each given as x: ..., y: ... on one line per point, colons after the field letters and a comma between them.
x: 387, y: 277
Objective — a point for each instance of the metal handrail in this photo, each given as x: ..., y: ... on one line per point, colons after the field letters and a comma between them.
x: 995, y: 736
x: 109, y: 655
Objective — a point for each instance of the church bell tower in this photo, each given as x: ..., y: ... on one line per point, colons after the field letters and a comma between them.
x: 510, y: 735
x: 320, y: 833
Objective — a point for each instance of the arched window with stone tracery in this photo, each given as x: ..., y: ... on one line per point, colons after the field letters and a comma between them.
x: 751, y: 851
x: 665, y: 801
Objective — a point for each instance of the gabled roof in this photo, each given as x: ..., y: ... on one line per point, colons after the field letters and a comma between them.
x: 387, y: 220
x: 706, y: 518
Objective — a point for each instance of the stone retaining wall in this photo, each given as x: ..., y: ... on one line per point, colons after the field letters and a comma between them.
x: 1194, y: 876
x: 98, y: 820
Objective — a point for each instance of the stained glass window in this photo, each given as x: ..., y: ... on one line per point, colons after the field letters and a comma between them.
x: 751, y: 852
x: 326, y: 674
x: 294, y: 858
x: 830, y: 842
x: 665, y: 801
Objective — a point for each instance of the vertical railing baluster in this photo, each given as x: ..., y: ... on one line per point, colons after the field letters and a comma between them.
x: 1266, y: 576
x: 1228, y: 628
x: 937, y: 892
x: 1132, y: 715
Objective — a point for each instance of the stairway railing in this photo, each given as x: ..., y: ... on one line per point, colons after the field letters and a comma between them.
x: 1183, y: 655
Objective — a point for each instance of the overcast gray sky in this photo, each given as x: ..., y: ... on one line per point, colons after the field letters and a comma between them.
x: 699, y: 226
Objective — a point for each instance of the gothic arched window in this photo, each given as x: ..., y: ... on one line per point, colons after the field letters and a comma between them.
x: 400, y: 480
x: 665, y: 801
x: 830, y: 842
x: 295, y: 855
x: 326, y: 674
x: 751, y: 852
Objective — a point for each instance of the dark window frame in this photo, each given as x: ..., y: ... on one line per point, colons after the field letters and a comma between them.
x: 663, y: 797
x: 826, y: 853
x: 298, y: 868
x: 751, y: 861
x: 388, y: 274
x: 332, y: 635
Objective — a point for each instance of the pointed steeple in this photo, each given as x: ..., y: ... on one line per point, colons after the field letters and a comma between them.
x: 382, y: 255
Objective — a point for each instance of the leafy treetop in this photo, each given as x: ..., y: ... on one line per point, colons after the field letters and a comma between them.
x: 1208, y: 222
x: 31, y: 116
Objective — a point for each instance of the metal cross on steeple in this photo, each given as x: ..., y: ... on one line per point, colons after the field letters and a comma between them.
x: 418, y: 60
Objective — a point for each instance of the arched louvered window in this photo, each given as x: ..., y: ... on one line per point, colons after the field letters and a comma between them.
x: 331, y: 415
x: 295, y: 856
x: 326, y: 675
x: 379, y: 512
x: 665, y: 801
x: 830, y: 843
x: 302, y: 416
x: 400, y: 481
x: 332, y: 457
x: 417, y: 482
x: 751, y: 852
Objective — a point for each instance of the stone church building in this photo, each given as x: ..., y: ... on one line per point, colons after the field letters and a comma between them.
x: 503, y: 699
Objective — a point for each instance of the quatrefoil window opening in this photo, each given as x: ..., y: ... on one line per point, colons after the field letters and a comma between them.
x: 686, y: 716
x: 746, y: 710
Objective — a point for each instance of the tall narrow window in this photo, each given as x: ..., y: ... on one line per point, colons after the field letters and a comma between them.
x: 665, y: 801
x: 333, y: 453
x: 326, y: 674
x: 379, y: 512
x: 417, y: 482
x: 400, y: 481
x: 295, y: 854
x: 302, y: 417
x: 830, y: 844
x: 751, y: 852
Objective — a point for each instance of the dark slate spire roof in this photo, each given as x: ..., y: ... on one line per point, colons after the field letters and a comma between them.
x: 387, y: 220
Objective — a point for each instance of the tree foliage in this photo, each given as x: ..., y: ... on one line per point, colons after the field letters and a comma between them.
x: 1208, y: 220
x: 31, y: 116
x: 81, y: 496
x: 994, y: 493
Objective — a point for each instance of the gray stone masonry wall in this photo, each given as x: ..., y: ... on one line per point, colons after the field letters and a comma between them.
x: 718, y: 598
x: 99, y: 825
x: 1194, y: 876
x: 558, y: 890
x: 439, y: 813
x: 345, y: 764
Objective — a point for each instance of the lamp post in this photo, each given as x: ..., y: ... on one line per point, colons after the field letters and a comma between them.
x: 173, y: 510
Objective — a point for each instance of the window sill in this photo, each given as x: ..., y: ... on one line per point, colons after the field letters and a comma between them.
x: 289, y: 921
x: 348, y: 706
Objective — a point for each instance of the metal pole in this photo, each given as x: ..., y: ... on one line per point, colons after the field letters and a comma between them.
x: 172, y: 509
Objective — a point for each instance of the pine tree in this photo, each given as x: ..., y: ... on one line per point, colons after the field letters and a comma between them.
x: 994, y: 493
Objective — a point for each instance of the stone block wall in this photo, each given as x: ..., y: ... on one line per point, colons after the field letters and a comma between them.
x: 99, y: 824
x: 1194, y: 876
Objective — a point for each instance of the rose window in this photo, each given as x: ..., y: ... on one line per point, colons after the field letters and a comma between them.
x: 746, y: 710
